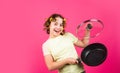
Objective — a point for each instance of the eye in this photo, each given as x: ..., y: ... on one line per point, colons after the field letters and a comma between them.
x: 61, y: 24
x: 56, y: 24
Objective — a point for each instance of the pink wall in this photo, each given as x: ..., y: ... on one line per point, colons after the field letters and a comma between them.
x: 22, y: 35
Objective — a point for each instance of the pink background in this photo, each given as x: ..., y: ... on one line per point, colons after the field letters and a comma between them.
x: 22, y: 35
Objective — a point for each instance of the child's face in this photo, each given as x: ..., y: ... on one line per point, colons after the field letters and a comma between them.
x: 56, y: 27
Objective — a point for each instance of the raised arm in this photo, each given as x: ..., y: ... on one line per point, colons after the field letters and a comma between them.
x: 85, y: 41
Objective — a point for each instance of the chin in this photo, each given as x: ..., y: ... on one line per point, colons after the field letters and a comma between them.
x: 57, y: 34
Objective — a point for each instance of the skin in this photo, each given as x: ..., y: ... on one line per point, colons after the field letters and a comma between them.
x: 56, y: 27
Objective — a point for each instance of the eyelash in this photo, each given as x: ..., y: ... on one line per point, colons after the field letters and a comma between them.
x: 60, y: 24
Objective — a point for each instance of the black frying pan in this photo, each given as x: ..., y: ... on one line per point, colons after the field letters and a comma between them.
x: 94, y: 54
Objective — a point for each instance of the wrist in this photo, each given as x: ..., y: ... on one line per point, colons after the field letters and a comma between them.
x: 86, y: 36
x: 66, y: 61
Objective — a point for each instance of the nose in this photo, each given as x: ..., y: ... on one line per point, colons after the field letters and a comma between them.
x: 58, y: 26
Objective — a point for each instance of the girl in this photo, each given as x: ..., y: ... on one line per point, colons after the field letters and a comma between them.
x: 59, y: 49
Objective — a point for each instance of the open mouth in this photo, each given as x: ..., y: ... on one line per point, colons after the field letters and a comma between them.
x: 57, y: 31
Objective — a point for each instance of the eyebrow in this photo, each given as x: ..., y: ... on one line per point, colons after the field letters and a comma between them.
x: 57, y: 22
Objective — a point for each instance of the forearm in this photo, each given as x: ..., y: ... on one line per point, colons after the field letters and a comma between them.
x: 86, y: 38
x: 56, y: 65
x: 53, y: 65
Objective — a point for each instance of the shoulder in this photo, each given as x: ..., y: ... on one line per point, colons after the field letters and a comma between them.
x: 68, y: 34
x: 46, y: 43
x: 71, y: 36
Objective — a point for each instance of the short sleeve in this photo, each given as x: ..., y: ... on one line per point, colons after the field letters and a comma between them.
x: 45, y: 49
x: 72, y: 37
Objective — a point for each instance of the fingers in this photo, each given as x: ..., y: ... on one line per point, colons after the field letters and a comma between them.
x: 78, y: 61
x: 72, y: 61
x: 89, y: 26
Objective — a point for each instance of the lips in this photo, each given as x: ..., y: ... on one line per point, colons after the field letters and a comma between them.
x: 57, y: 30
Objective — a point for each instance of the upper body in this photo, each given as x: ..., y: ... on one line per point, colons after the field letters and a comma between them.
x: 59, y: 51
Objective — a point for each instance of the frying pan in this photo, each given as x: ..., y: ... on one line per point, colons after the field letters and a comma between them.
x: 94, y: 54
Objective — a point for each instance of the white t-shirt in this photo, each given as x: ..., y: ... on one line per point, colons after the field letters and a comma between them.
x: 60, y: 48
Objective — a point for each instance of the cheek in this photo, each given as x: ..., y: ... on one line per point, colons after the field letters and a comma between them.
x: 51, y: 26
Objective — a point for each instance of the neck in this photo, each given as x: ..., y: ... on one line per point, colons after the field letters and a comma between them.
x: 53, y: 36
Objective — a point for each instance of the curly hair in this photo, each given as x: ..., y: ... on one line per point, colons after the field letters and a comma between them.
x: 53, y: 18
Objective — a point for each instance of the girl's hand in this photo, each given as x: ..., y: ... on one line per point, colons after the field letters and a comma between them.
x: 89, y: 26
x: 71, y: 61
